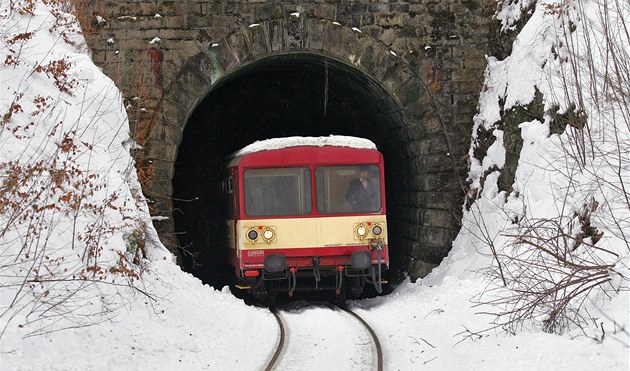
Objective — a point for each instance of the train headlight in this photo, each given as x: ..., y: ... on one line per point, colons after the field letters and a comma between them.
x: 268, y: 234
x: 252, y: 235
x: 377, y: 230
x: 361, y: 230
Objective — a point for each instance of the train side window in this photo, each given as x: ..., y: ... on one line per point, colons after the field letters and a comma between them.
x: 339, y: 189
x: 228, y: 196
x: 277, y: 191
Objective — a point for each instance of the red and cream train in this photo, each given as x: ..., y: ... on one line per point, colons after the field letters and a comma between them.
x: 307, y: 213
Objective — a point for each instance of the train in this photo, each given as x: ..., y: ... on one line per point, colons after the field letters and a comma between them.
x: 306, y: 214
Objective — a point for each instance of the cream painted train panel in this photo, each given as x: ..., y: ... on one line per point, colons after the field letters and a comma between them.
x: 307, y: 232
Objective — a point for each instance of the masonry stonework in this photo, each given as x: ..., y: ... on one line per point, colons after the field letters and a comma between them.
x: 425, y: 56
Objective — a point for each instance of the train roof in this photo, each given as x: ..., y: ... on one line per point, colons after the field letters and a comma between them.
x: 291, y: 144
x: 280, y: 143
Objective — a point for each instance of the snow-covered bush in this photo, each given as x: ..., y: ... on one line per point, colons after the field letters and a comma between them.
x: 69, y: 195
x: 558, y: 234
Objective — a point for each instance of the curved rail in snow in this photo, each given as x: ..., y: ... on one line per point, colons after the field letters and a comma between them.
x: 282, y: 343
x: 377, y: 343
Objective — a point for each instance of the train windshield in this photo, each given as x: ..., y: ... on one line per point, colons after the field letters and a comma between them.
x: 280, y: 191
x: 348, y: 189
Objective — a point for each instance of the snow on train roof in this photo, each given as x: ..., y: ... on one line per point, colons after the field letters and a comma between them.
x: 279, y: 143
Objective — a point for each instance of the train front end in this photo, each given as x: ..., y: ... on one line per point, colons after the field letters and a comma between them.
x: 309, y: 219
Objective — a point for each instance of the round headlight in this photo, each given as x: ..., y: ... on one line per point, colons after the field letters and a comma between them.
x: 361, y: 230
x: 377, y: 230
x: 268, y: 234
x: 252, y: 235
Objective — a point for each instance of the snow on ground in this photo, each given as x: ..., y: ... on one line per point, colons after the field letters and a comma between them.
x: 425, y: 326
x: 308, y: 342
x: 188, y: 326
x: 169, y: 320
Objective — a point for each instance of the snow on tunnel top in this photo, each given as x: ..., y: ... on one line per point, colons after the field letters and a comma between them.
x: 279, y: 143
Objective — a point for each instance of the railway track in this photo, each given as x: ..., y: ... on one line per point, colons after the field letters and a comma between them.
x: 324, y: 337
x: 280, y: 346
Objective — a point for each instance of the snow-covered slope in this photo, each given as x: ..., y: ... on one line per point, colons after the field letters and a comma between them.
x: 73, y: 221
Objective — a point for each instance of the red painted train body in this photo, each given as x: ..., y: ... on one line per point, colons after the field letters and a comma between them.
x: 307, y: 214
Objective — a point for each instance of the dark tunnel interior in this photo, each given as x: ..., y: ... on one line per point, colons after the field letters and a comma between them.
x: 290, y: 95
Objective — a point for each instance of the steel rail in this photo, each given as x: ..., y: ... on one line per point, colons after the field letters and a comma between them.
x: 280, y: 346
x: 377, y: 343
x: 281, y: 342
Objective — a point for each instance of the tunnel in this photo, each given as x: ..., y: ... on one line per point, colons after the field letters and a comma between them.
x: 278, y: 96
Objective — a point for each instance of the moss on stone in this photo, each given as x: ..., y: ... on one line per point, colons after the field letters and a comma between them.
x: 484, y: 140
x: 166, y: 6
x: 500, y: 43
x: 512, y: 139
x: 573, y: 117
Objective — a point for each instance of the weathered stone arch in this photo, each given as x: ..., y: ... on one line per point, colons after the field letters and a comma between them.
x: 414, y: 129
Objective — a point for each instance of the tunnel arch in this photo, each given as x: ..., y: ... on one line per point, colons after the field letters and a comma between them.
x: 377, y: 86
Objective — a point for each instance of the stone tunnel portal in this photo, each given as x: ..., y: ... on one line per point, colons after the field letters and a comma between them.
x: 214, y: 76
x: 279, y: 96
